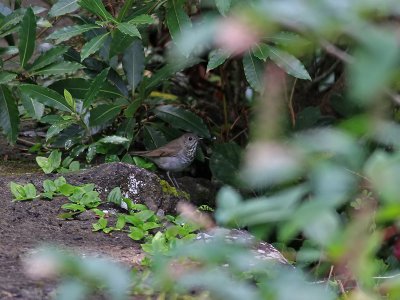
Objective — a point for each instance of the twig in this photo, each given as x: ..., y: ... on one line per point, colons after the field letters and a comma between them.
x: 336, y: 52
x: 329, y: 276
x: 290, y: 104
x: 342, y: 290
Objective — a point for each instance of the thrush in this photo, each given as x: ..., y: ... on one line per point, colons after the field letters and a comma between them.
x: 174, y: 156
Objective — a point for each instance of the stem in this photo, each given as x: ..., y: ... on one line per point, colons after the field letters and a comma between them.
x: 290, y: 104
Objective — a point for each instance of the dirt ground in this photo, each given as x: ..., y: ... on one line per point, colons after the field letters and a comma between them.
x: 27, y: 225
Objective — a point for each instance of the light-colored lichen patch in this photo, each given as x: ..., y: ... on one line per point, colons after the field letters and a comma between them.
x: 134, y: 185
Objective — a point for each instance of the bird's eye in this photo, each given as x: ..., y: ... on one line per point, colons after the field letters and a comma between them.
x: 190, y: 138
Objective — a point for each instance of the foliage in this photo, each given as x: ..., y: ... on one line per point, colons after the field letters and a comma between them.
x: 313, y: 83
x: 23, y: 192
x: 53, y: 163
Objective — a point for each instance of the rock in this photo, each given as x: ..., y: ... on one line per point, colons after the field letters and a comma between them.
x: 262, y: 250
x: 140, y: 185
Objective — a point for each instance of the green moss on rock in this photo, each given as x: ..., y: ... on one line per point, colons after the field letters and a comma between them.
x: 170, y: 190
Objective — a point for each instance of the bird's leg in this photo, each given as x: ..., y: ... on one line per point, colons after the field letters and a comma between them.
x: 173, y: 181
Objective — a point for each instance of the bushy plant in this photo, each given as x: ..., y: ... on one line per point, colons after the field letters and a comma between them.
x: 320, y: 80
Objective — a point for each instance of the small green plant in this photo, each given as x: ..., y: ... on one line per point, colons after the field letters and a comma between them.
x: 54, y: 163
x: 23, y: 192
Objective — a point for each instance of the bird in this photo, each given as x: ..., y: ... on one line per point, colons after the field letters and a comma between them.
x: 174, y: 156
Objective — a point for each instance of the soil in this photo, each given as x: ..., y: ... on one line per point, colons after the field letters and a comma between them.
x: 26, y: 225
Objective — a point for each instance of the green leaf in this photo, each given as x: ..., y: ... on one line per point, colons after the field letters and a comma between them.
x: 153, y: 138
x: 96, y: 7
x: 253, y: 70
x: 12, y: 19
x: 101, y: 224
x: 66, y: 33
x: 30, y: 191
x: 17, y: 190
x: 59, y: 181
x: 113, y: 139
x: 51, y: 163
x: 27, y: 37
x: 225, y: 162
x: 62, y: 7
x: 59, y: 68
x: 150, y: 225
x: 182, y: 119
x: 127, y: 5
x: 49, y: 186
x: 133, y: 64
x: 74, y: 166
x: 69, y: 99
x: 45, y: 96
x: 119, y: 42
x: 115, y: 196
x: 93, y: 45
x: 91, y: 152
x: 34, y: 108
x: 47, y: 58
x: 78, y: 87
x: 6, y: 77
x: 94, y: 88
x: 177, y: 20
x: 216, y: 58
x: 136, y: 234
x: 130, y: 111
x: 144, y: 215
x: 289, y: 63
x: 129, y: 29
x: 120, y: 222
x: 223, y: 6
x: 21, y: 193
x: 103, y: 113
x: 73, y: 207
x: 74, y: 192
x: 57, y: 127
x: 9, y: 116
x: 142, y: 20
x: 261, y: 51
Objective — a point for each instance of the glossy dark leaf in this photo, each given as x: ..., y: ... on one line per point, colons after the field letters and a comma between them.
x: 129, y: 29
x: 177, y: 19
x: 62, y: 7
x: 253, y: 69
x: 27, y: 37
x: 103, y: 113
x: 48, y: 57
x: 183, y: 119
x: 119, y: 43
x: 225, y: 161
x: 78, y: 88
x: 96, y: 7
x: 34, y: 108
x: 142, y: 20
x: 9, y: 116
x: 45, y: 96
x: 133, y: 63
x: 58, y: 68
x: 153, y: 138
x: 94, y: 88
x: 261, y: 51
x: 93, y: 45
x: 6, y: 76
x: 66, y: 33
x: 216, y: 58
x: 289, y: 63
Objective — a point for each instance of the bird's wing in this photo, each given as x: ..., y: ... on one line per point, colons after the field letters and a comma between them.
x: 167, y: 150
